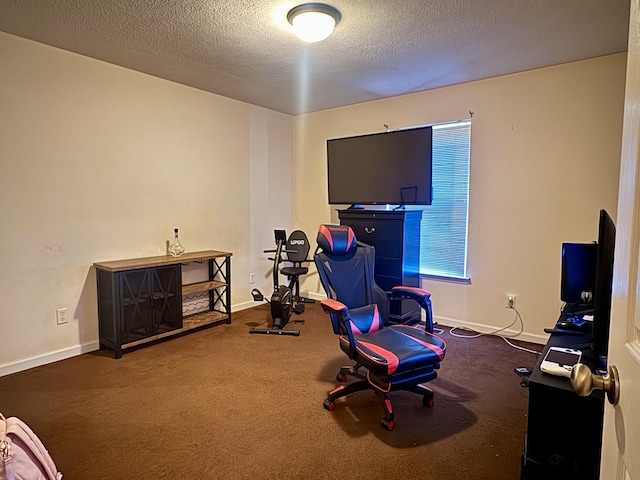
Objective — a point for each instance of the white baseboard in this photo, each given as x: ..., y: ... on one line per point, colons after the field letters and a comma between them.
x: 56, y: 356
x: 21, y: 365
x: 314, y: 295
x: 245, y: 305
x: 489, y: 329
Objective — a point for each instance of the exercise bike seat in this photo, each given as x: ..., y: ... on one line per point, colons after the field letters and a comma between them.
x: 294, y: 271
x: 297, y: 250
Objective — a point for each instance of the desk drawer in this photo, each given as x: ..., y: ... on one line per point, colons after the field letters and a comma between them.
x: 384, y: 236
x: 395, y: 236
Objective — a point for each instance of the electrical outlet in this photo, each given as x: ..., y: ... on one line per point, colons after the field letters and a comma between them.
x: 511, y: 300
x: 252, y: 278
x: 62, y: 316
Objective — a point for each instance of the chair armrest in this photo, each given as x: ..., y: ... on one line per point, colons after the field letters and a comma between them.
x: 413, y: 293
x: 419, y: 295
x: 339, y: 313
x: 334, y: 306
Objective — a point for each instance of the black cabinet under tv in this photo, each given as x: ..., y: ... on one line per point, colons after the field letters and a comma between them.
x: 395, y: 234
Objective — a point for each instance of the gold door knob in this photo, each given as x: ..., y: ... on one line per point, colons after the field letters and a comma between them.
x: 584, y: 382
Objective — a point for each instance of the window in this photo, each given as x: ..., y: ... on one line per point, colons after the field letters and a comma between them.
x: 443, y: 231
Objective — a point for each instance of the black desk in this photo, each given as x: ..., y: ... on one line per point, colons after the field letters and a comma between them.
x: 564, y: 430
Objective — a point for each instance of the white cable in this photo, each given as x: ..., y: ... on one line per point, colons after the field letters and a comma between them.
x: 520, y: 348
x: 488, y: 333
x: 477, y: 335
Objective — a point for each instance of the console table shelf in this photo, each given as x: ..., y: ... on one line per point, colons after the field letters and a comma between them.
x: 140, y: 300
x: 200, y: 287
x: 204, y: 318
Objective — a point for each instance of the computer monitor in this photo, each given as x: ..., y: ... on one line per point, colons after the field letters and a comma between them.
x: 577, y: 287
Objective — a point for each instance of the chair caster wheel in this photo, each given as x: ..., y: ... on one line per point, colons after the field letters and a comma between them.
x: 341, y: 377
x: 329, y: 404
x: 387, y: 424
x: 428, y: 402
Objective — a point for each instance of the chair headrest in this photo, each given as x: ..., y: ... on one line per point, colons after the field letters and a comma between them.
x: 336, y: 239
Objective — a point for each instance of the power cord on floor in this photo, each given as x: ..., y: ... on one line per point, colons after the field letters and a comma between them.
x: 518, y: 318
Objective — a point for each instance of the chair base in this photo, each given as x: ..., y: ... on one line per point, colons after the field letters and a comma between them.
x: 353, y: 370
x: 388, y: 421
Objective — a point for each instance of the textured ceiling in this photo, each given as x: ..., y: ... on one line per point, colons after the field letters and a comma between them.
x: 245, y: 49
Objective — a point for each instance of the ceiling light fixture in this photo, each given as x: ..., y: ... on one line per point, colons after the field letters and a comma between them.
x: 313, y: 22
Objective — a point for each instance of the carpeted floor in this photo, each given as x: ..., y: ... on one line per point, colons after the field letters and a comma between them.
x: 222, y: 404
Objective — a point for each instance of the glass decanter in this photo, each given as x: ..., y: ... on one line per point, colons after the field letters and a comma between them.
x: 176, y: 249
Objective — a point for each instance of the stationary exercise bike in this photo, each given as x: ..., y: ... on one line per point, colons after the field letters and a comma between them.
x: 285, y: 299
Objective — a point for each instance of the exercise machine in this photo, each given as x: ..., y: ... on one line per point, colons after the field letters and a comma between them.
x: 285, y: 299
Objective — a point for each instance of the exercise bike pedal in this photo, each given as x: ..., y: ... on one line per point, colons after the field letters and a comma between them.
x: 298, y: 309
x: 257, y: 295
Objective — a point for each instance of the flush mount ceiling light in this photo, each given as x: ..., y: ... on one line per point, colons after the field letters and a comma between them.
x: 313, y: 22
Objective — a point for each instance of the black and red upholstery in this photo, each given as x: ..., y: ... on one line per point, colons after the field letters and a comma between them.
x: 396, y: 357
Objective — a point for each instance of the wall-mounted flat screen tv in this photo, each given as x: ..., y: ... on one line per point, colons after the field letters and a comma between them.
x: 384, y: 168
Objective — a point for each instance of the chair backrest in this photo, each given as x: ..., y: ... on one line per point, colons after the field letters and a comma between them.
x: 346, y: 269
x: 297, y: 247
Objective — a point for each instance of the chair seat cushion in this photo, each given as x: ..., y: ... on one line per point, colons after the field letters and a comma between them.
x: 294, y: 271
x: 396, y: 349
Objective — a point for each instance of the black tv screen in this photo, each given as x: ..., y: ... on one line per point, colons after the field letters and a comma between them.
x: 384, y: 168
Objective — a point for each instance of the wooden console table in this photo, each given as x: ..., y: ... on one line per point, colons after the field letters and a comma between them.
x: 140, y: 300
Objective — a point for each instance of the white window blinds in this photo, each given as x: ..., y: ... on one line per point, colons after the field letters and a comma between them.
x: 443, y: 231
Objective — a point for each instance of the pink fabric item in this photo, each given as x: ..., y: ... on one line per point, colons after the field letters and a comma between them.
x: 22, y: 454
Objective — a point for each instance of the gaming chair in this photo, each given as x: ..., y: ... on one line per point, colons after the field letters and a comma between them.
x: 395, y: 357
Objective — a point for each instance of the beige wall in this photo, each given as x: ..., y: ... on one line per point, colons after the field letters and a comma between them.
x: 100, y: 163
x: 545, y: 155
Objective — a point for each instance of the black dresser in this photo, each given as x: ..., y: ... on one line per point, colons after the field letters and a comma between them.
x: 395, y: 234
